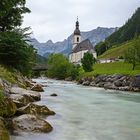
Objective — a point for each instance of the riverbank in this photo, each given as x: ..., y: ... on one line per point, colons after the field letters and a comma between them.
x: 115, y: 82
x: 18, y: 109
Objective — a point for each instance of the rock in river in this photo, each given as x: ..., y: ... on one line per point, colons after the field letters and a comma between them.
x: 35, y: 95
x: 31, y: 123
x: 38, y: 88
x: 21, y: 100
x: 54, y: 94
x: 35, y: 109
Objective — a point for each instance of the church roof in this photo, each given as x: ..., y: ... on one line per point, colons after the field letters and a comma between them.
x: 84, y: 45
x: 77, y: 31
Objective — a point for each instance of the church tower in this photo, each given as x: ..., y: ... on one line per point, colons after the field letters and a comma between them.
x: 77, y: 35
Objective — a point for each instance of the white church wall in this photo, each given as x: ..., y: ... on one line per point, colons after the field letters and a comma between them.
x: 95, y: 55
x: 83, y: 52
x: 75, y: 42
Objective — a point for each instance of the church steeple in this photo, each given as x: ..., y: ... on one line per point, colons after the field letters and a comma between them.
x: 77, y: 31
x: 77, y: 35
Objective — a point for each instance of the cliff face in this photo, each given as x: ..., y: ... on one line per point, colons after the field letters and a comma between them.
x: 95, y: 36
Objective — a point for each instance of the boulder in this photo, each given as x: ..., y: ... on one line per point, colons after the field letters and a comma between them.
x: 125, y: 88
x: 116, y: 77
x: 136, y: 82
x: 100, y: 78
x: 38, y: 88
x: 29, y: 83
x: 18, y: 104
x: 5, y: 85
x: 45, y: 85
x: 136, y: 89
x: 21, y: 100
x: 86, y: 83
x: 109, y: 85
x: 92, y: 84
x: 31, y: 123
x: 7, y: 107
x: 35, y: 109
x: 80, y: 81
x: 16, y: 90
x: 4, y: 135
x: 68, y: 79
x: 109, y: 79
x: 126, y: 83
x: 54, y: 95
x: 100, y: 84
x: 118, y: 83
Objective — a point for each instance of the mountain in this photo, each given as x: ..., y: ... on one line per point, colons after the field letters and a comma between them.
x: 118, y: 51
x: 127, y: 31
x: 95, y: 36
x: 124, y: 34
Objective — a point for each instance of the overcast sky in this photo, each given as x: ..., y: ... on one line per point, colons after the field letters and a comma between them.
x: 55, y: 19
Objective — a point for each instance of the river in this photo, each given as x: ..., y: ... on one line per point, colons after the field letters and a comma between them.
x: 87, y: 113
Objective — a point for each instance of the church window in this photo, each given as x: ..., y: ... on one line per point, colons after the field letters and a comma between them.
x: 77, y: 39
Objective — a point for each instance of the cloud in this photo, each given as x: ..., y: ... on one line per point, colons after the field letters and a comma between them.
x: 55, y: 19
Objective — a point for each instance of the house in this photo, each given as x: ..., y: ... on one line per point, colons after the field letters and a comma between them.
x: 80, y: 47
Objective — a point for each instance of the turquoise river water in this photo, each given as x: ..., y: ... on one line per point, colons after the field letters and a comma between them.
x: 87, y: 113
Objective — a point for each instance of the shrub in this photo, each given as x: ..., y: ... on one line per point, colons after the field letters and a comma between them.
x: 59, y: 67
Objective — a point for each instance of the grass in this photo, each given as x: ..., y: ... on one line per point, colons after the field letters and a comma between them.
x: 7, y: 75
x: 12, y: 76
x: 118, y: 51
x: 1, y: 95
x: 111, y: 68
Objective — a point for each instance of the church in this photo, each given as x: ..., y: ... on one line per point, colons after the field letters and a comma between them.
x: 80, y: 47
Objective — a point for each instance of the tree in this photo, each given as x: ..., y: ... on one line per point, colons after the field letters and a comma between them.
x: 59, y: 67
x: 101, y: 47
x: 127, y: 31
x: 87, y: 62
x: 11, y: 12
x: 132, y: 56
x: 15, y: 52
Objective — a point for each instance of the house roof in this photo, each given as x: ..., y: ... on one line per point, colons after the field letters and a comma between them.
x: 84, y: 45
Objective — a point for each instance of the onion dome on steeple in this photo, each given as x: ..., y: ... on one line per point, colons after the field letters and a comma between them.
x: 77, y: 31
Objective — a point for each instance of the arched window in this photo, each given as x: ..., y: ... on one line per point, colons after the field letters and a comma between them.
x: 77, y: 39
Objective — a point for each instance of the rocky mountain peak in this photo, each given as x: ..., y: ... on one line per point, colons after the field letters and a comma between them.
x: 95, y: 36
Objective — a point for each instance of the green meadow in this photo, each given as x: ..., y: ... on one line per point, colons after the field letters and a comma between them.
x: 111, y: 68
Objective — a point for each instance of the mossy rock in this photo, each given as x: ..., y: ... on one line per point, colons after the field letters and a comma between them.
x: 4, y: 135
x: 35, y: 110
x: 7, y: 107
x: 35, y: 95
x: 37, y: 88
x: 30, y: 123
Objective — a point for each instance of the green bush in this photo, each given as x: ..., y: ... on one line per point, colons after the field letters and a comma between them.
x: 15, y: 51
x: 87, y: 62
x: 59, y: 67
